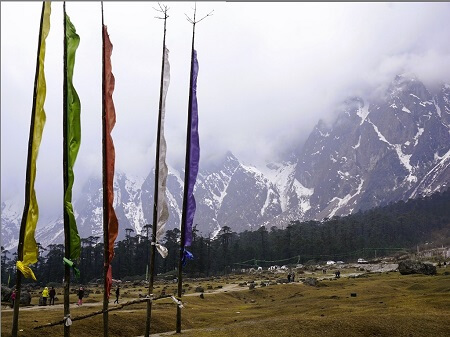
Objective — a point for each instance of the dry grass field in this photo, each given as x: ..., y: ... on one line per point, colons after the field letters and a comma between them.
x: 386, y: 304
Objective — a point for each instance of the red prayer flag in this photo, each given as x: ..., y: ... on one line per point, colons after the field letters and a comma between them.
x: 110, y: 121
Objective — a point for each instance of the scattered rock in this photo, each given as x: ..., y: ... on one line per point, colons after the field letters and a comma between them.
x: 202, y: 296
x: 311, y: 281
x: 408, y: 267
x: 25, y: 297
x: 199, y: 290
x: 353, y: 294
x: 362, y: 276
x: 251, y: 286
x: 6, y: 293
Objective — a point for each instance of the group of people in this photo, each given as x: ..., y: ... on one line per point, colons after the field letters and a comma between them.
x: 48, y: 293
x: 291, y: 276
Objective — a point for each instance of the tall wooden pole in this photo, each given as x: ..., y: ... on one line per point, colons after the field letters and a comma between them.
x: 105, y: 194
x: 186, y: 178
x: 156, y: 190
x: 23, y: 223
x: 66, y: 185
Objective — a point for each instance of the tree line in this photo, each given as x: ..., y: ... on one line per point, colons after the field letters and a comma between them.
x: 368, y: 234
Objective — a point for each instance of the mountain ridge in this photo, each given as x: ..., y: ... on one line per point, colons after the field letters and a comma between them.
x: 391, y: 148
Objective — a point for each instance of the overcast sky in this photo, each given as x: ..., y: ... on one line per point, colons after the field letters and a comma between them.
x: 268, y: 72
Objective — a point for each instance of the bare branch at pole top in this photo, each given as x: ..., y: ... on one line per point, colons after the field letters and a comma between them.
x: 162, y: 9
x: 194, y: 21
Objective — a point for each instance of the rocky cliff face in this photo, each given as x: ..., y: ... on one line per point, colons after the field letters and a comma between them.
x: 392, y: 149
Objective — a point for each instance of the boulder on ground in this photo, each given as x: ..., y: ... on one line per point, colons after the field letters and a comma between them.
x: 199, y: 290
x: 407, y: 267
x: 25, y: 297
x: 311, y: 281
x: 282, y: 280
x: 6, y: 293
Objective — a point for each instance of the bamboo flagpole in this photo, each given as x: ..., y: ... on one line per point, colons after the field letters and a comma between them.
x: 110, y: 222
x: 160, y: 208
x: 191, y: 169
x: 65, y: 179
x: 27, y: 248
x: 105, y: 194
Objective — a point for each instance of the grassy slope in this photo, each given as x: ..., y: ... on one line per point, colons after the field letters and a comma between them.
x: 386, y: 305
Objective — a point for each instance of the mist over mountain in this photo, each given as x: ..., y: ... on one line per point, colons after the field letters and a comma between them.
x: 392, y: 147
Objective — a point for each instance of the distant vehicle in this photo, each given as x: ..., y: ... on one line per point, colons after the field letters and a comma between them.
x: 330, y: 263
x: 362, y: 261
x: 340, y: 262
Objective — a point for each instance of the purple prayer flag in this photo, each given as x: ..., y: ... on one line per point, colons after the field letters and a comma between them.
x: 194, y: 152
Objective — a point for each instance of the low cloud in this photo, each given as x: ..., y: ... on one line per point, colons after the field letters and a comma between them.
x: 268, y: 73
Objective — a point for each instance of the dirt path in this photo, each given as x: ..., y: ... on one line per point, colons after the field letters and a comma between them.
x: 229, y: 287
x: 52, y: 307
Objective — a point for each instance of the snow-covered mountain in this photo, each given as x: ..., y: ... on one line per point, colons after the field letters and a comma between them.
x: 11, y: 218
x: 393, y: 148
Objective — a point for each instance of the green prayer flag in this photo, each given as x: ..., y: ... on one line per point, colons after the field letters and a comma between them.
x: 73, y: 135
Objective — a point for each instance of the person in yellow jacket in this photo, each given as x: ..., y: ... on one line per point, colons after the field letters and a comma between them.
x: 44, y: 296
